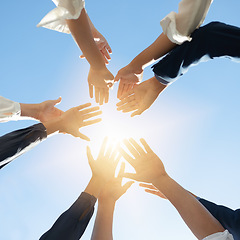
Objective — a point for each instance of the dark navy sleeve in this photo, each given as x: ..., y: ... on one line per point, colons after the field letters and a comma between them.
x: 73, y: 222
x: 213, y: 40
x: 230, y: 219
x: 16, y: 143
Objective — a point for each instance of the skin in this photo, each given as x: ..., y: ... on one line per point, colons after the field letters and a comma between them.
x: 141, y: 97
x: 43, y: 112
x: 73, y: 119
x: 131, y: 74
x: 99, y: 78
x: 150, y: 169
x: 112, y: 191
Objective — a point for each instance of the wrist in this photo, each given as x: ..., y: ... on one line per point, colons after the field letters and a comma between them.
x: 157, y: 85
x: 161, y: 181
x: 135, y: 67
x: 30, y: 110
x: 53, y: 125
x: 95, y: 186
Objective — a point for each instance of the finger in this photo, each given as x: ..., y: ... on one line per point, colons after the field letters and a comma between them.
x: 120, y: 89
x: 124, y: 90
x: 127, y: 94
x: 149, y: 186
x: 109, y: 151
x: 132, y: 150
x: 130, y: 109
x: 108, y: 48
x: 137, y: 146
x: 57, y: 101
x: 90, y: 90
x: 117, y: 159
x: 82, y: 136
x: 138, y: 112
x: 117, y: 77
x: 130, y: 175
x: 91, y: 122
x: 127, y: 99
x: 92, y: 109
x: 97, y: 92
x: 83, y: 106
x: 122, y: 170
x: 101, y: 96
x: 127, y: 157
x: 103, y: 147
x: 146, y: 146
x: 130, y: 86
x: 106, y: 93
x: 105, y: 53
x: 132, y: 104
x: 82, y: 56
x: 90, y: 115
x: 126, y: 186
x: 157, y: 193
x: 89, y: 156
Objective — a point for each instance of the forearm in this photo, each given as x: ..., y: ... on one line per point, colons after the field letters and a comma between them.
x: 157, y: 49
x: 104, y: 221
x: 16, y: 143
x: 197, y: 218
x: 29, y: 110
x: 73, y: 222
x: 82, y: 34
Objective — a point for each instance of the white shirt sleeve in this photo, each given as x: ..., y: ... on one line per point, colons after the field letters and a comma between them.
x: 220, y: 236
x: 9, y: 110
x: 191, y: 14
x: 66, y: 9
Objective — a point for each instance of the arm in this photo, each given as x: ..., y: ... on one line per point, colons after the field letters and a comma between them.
x: 9, y: 110
x: 177, y: 28
x: 18, y: 142
x: 112, y: 191
x: 72, y: 223
x: 149, y: 168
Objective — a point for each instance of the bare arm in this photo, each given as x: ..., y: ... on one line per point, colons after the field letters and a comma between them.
x: 149, y: 168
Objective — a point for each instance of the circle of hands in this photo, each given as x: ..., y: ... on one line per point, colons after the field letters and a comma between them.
x: 135, y: 97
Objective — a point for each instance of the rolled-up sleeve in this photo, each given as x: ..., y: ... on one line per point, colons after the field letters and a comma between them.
x: 9, y: 110
x: 220, y: 236
x: 16, y: 143
x: 66, y: 9
x: 191, y: 14
x: 73, y: 222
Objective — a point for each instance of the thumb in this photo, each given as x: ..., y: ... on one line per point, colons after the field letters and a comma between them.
x: 57, y: 101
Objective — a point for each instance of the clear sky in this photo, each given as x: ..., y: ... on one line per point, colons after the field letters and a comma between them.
x: 193, y: 126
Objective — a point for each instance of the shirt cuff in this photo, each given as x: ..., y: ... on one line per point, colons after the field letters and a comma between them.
x: 170, y: 29
x: 9, y: 110
x: 66, y: 9
x: 220, y: 236
x: 162, y: 81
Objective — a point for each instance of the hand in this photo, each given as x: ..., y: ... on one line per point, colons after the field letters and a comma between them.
x: 113, y: 190
x: 129, y: 77
x: 73, y: 119
x: 104, y: 167
x: 101, y: 80
x: 102, y: 45
x: 149, y: 168
x: 141, y: 97
x: 47, y: 110
x: 149, y: 188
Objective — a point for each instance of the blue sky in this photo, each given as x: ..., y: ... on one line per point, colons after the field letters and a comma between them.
x: 193, y: 126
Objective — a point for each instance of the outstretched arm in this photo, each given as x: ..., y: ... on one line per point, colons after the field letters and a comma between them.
x: 18, y: 142
x: 150, y: 169
x: 72, y: 223
x: 112, y: 191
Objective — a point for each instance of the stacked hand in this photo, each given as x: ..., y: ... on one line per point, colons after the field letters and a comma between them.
x: 128, y: 77
x: 141, y: 97
x: 76, y: 117
x: 149, y: 168
x: 104, y: 166
x: 101, y: 80
x: 113, y: 190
